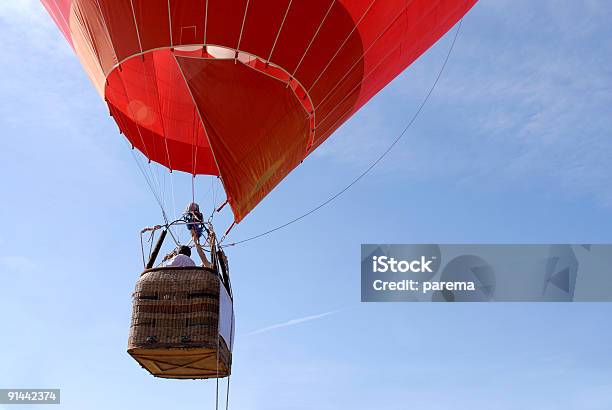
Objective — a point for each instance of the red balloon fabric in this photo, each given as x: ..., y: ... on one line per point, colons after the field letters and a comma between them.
x: 244, y: 89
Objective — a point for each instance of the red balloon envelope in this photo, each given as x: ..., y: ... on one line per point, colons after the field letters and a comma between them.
x: 244, y: 89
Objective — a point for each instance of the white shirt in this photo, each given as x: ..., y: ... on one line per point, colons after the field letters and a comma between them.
x: 181, y: 260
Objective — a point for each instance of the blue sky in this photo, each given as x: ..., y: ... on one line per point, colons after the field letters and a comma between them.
x: 514, y: 146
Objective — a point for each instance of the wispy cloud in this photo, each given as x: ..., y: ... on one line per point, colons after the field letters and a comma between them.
x: 294, y: 322
x: 535, y: 100
x: 16, y: 263
x: 523, y: 101
x: 32, y: 25
x: 50, y: 104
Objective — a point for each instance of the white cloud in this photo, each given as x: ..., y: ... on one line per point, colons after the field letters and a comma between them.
x: 47, y: 98
x: 17, y: 263
x: 292, y: 322
x: 538, y: 101
x: 524, y: 100
x: 19, y: 8
x: 29, y: 17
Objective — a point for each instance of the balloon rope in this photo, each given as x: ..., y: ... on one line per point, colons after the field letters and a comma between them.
x: 218, y: 331
x: 244, y: 17
x: 366, y: 51
x: 380, y: 158
x: 278, y: 32
x: 205, y: 23
x: 153, y: 179
x: 178, y: 234
x: 231, y: 346
x: 227, y: 392
x: 312, y: 40
x: 340, y: 48
x: 149, y: 183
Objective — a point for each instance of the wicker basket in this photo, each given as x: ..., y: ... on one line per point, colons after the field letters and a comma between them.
x: 175, y: 324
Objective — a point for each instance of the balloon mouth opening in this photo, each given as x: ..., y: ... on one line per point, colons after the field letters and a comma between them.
x: 142, y: 118
x: 264, y: 66
x: 228, y: 53
x: 267, y: 68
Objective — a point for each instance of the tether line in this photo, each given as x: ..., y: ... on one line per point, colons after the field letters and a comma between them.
x: 380, y: 158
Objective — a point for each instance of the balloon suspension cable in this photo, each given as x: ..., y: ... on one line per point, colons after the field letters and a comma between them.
x: 175, y: 239
x: 144, y: 262
x: 216, y: 210
x: 193, y: 188
x: 207, y: 227
x: 379, y: 159
x: 157, y: 197
x: 227, y: 391
x: 230, y: 347
x: 212, y: 215
x: 151, y: 239
x: 218, y: 344
x: 153, y: 229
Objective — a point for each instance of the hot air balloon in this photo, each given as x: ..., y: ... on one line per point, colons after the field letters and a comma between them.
x: 242, y: 89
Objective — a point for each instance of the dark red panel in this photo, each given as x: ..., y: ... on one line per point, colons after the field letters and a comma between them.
x: 257, y: 128
x: 119, y: 19
x: 153, y: 23
x: 301, y: 24
x: 224, y: 22
x: 187, y: 21
x: 262, y: 23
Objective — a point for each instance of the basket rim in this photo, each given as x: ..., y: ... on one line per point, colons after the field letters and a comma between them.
x: 180, y: 268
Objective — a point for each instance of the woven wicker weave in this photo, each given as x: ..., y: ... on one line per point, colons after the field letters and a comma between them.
x: 175, y: 322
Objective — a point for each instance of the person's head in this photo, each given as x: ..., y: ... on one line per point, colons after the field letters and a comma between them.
x: 193, y: 207
x: 184, y: 250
